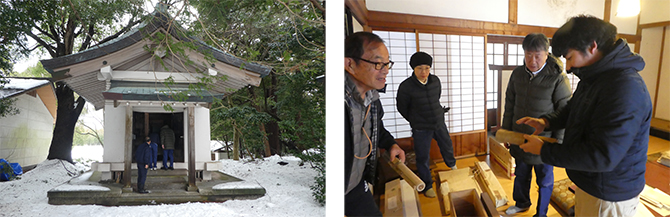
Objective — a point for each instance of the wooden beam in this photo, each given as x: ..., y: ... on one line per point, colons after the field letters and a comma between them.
x: 638, y: 31
x: 389, y: 21
x: 513, y: 11
x: 658, y: 75
x: 608, y: 10
x: 358, y: 10
x: 191, y: 149
x: 128, y: 150
x: 653, y: 25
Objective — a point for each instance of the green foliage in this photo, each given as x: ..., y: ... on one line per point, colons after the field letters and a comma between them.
x: 35, y: 71
x: 289, y: 37
x: 243, y: 119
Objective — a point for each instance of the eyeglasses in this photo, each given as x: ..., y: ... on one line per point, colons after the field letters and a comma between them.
x: 378, y: 65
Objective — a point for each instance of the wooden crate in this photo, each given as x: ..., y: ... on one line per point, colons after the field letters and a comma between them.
x: 502, y: 157
x: 455, y: 180
x: 489, y: 183
x: 466, y: 203
x: 401, y: 199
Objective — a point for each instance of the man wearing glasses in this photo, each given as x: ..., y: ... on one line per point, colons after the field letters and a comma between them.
x: 366, y: 65
x: 419, y: 103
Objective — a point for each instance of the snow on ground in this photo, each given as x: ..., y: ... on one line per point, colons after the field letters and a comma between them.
x: 287, y: 187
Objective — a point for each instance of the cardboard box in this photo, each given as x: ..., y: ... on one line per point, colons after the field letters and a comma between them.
x: 466, y: 203
x: 401, y: 199
x: 502, y: 157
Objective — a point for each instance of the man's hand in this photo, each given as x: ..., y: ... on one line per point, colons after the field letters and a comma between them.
x: 533, y: 144
x: 537, y: 123
x: 146, y: 166
x: 394, y: 151
x: 446, y: 109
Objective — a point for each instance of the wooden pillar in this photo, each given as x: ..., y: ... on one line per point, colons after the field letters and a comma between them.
x: 128, y: 150
x: 191, y: 149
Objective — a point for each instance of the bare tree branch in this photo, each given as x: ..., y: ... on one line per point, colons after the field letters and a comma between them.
x: 311, y: 21
x: 47, y: 46
x: 87, y: 41
x: 130, y: 24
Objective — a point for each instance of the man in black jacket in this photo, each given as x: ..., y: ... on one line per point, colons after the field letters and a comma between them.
x: 143, y: 159
x: 418, y: 101
x: 366, y: 64
x: 606, y: 122
x: 536, y: 88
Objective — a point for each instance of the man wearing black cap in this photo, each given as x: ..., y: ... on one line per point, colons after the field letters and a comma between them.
x: 418, y: 102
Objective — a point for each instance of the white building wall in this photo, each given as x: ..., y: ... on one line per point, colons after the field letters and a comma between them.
x: 556, y: 13
x: 25, y: 138
x: 483, y: 10
x: 115, y: 131
x: 202, y: 137
x: 653, y: 11
x: 663, y: 103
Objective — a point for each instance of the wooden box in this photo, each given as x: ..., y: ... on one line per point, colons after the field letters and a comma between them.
x: 502, y: 157
x: 401, y: 199
x: 489, y: 183
x: 466, y: 203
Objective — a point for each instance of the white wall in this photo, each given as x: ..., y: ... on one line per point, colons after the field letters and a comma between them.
x: 663, y: 103
x: 650, y: 51
x: 494, y: 11
x: 202, y: 137
x: 115, y: 131
x: 556, y: 13
x: 652, y: 11
x: 625, y: 25
x: 25, y: 138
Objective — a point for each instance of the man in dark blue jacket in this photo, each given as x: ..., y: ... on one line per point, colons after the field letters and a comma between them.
x: 606, y: 122
x: 418, y: 101
x: 143, y: 159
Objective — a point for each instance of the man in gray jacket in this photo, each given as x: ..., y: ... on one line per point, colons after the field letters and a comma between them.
x: 167, y: 138
x: 536, y: 88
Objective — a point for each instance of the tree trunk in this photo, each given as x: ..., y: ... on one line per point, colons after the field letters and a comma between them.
x: 236, y: 145
x: 272, y: 127
x: 66, y: 118
x: 268, y: 153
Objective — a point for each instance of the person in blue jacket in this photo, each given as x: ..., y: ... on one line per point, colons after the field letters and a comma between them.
x: 155, y: 141
x: 606, y: 122
x: 143, y: 159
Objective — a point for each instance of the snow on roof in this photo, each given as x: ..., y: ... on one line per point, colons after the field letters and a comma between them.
x: 24, y: 83
x: 20, y: 85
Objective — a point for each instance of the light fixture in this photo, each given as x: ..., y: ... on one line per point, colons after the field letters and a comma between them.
x: 628, y: 8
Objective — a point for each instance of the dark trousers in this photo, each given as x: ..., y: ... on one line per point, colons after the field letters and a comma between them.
x: 141, y: 176
x: 544, y: 177
x: 359, y: 202
x: 422, y: 139
x: 168, y: 153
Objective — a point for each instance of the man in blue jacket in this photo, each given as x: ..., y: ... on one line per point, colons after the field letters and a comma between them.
x: 606, y: 122
x: 143, y: 159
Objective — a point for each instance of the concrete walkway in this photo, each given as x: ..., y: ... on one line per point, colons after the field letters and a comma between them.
x: 166, y: 187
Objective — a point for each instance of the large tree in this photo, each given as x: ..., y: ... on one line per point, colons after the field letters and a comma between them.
x: 287, y: 35
x: 61, y: 28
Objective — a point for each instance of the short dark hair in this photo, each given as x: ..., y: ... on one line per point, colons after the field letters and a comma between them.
x: 580, y: 31
x: 535, y: 42
x: 354, y: 44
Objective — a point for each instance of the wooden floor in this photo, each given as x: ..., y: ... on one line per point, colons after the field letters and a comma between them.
x: 431, y: 206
